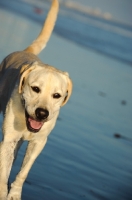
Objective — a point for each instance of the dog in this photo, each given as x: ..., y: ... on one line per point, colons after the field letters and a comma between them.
x: 31, y: 95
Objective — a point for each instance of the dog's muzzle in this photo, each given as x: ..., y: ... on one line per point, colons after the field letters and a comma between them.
x: 34, y: 125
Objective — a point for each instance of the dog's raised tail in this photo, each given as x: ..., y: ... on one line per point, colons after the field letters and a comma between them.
x: 42, y: 39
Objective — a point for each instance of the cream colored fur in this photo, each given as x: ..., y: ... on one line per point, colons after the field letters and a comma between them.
x: 37, y: 89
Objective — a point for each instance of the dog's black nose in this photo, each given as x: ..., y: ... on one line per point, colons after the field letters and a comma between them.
x: 41, y: 113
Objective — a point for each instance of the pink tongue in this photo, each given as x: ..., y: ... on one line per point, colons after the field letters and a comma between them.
x: 35, y: 124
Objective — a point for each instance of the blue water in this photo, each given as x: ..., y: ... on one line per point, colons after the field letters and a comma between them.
x: 83, y: 158
x: 109, y: 37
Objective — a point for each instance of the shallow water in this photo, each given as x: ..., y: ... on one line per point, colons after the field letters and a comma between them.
x: 88, y: 154
x: 110, y: 37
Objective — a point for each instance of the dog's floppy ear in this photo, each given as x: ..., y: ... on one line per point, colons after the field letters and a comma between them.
x: 24, y: 73
x: 69, y: 91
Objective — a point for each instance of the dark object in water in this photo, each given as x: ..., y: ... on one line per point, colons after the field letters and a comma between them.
x: 123, y: 102
x: 117, y: 135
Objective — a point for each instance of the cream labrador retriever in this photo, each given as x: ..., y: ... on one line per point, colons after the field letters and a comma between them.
x: 31, y: 94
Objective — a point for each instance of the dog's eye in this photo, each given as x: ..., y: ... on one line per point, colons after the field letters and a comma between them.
x: 56, y: 96
x: 35, y: 89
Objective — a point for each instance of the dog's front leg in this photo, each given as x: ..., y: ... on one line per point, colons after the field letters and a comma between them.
x: 6, y: 160
x: 33, y: 150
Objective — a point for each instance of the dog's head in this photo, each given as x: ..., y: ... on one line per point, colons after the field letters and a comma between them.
x: 43, y: 90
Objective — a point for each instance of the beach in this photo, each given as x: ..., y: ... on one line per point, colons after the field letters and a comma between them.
x: 88, y: 154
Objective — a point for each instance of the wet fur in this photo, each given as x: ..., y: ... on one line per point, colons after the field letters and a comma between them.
x: 18, y: 73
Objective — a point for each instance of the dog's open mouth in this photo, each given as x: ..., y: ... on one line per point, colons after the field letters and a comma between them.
x: 32, y: 124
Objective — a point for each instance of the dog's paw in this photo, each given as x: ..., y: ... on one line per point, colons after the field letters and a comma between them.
x: 3, y: 192
x: 15, y: 193
x: 14, y: 197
